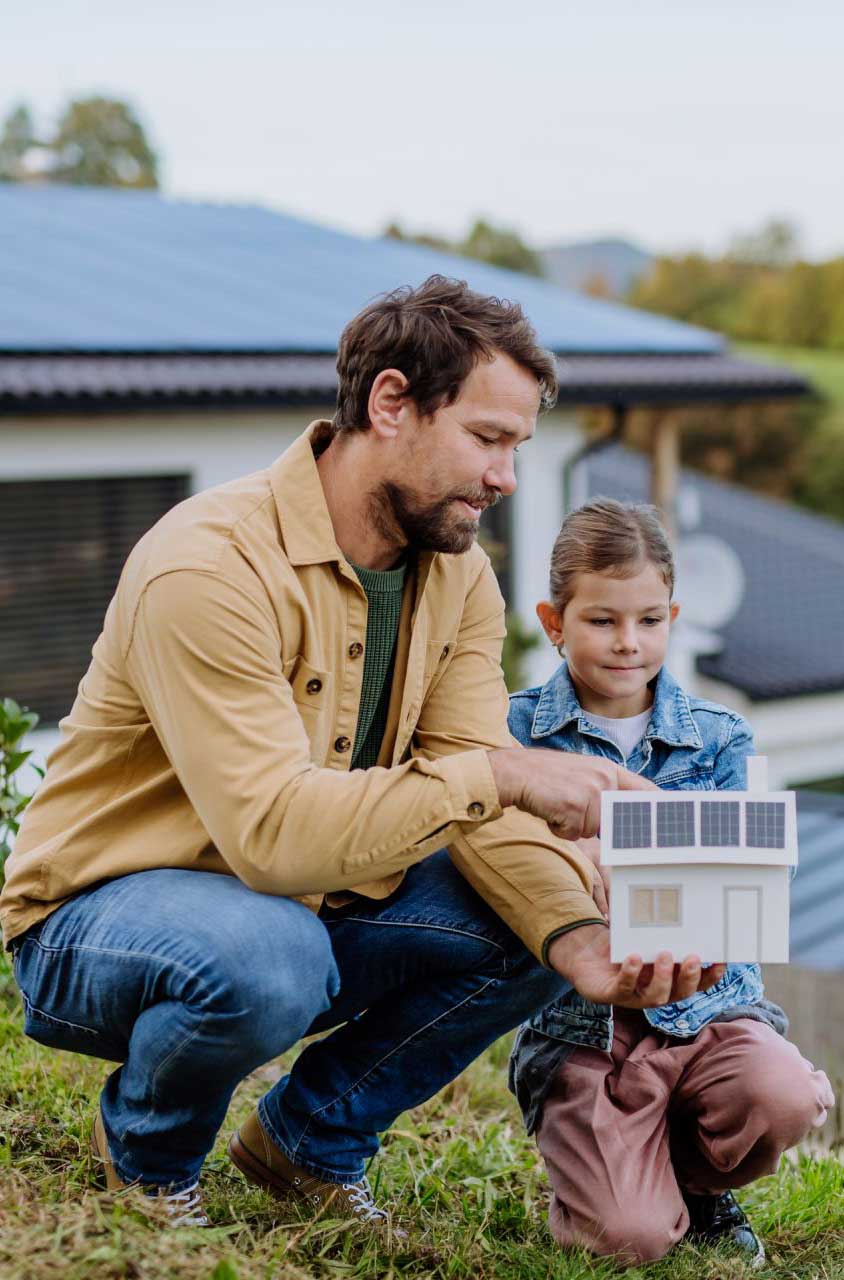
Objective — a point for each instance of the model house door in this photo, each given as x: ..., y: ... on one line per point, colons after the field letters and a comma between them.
x: 742, y: 924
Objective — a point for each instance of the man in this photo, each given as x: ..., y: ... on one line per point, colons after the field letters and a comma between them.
x: 295, y: 707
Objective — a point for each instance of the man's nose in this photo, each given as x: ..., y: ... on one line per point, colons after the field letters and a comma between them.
x: 501, y: 475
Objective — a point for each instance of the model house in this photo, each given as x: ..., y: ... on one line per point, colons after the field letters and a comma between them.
x: 701, y: 872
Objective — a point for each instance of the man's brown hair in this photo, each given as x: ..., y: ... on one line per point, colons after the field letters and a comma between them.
x: 435, y: 335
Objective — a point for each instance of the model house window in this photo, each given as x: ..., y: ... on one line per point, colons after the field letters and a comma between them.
x: 659, y: 904
x: 631, y: 825
x: 675, y: 823
x: 765, y: 824
x: 719, y: 823
x: 62, y: 547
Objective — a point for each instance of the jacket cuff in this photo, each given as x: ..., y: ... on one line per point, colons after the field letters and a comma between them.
x: 567, y: 928
x: 472, y: 791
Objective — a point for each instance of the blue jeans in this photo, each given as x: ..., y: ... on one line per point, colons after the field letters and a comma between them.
x: 190, y: 981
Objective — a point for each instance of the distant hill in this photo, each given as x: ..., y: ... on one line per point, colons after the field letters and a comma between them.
x: 575, y: 266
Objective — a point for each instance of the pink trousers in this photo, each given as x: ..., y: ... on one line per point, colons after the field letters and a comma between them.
x: 621, y: 1133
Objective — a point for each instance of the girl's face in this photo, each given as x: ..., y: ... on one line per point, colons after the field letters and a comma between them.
x: 615, y: 632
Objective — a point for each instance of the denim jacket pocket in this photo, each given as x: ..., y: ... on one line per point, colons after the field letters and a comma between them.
x: 691, y: 777
x: 740, y: 985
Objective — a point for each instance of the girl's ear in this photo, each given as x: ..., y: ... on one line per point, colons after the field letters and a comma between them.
x: 672, y: 613
x: 552, y: 623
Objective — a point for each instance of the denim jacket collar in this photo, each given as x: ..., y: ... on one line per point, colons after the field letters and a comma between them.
x: 671, y: 719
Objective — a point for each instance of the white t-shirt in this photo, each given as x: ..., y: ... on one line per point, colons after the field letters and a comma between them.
x: 626, y: 732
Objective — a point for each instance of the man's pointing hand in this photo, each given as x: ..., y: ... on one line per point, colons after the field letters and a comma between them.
x: 563, y: 788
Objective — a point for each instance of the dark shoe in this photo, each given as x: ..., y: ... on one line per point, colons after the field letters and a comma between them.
x: 262, y: 1163
x: 717, y: 1219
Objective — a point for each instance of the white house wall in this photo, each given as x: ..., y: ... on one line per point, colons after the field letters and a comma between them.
x: 210, y: 447
x: 536, y: 516
x: 803, y: 738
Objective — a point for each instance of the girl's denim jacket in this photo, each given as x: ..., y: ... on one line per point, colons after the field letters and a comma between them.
x: 690, y: 744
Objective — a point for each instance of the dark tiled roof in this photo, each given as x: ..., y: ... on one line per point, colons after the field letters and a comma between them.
x: 786, y: 638
x: 817, y: 893
x: 52, y: 383
x: 637, y: 380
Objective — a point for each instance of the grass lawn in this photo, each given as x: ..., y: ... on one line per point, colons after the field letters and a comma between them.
x: 460, y: 1167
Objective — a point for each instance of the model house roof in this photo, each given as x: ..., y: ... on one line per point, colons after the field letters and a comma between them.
x: 127, y: 297
x: 684, y: 828
x: 785, y: 638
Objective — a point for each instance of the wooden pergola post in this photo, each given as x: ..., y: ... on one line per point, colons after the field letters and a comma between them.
x: 665, y: 469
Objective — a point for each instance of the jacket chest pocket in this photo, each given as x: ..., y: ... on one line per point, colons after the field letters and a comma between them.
x: 438, y: 655
x: 690, y: 777
x: 312, y: 694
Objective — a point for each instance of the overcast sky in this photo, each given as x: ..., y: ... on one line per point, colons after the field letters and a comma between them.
x: 676, y: 124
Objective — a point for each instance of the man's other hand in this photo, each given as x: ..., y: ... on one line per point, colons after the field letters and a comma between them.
x: 583, y: 957
x: 559, y: 786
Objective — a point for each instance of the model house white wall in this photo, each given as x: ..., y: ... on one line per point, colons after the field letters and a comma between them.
x: 708, y: 925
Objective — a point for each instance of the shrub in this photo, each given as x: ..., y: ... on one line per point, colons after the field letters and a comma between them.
x: 15, y: 723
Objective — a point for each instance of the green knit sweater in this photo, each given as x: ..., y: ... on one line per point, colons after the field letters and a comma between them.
x: 384, y: 593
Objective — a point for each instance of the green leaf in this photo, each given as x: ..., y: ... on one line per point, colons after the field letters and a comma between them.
x: 14, y: 760
x: 16, y: 729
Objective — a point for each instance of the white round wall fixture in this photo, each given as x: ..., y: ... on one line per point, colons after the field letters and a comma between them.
x: 710, y: 580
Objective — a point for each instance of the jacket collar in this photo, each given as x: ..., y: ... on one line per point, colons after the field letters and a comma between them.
x: 297, y: 489
x: 306, y: 526
x: 671, y: 719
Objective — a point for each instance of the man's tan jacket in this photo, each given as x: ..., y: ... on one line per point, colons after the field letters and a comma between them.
x: 214, y: 727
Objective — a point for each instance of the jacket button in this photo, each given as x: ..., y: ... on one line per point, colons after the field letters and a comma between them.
x: 313, y: 686
x: 355, y: 649
x: 475, y: 809
x: 444, y: 653
x: 342, y: 744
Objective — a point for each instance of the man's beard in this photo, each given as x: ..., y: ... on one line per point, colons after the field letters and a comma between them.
x: 428, y: 527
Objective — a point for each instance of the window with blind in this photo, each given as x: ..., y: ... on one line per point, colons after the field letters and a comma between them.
x: 63, y: 544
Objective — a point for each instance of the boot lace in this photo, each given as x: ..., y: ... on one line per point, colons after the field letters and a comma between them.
x: 362, y: 1203
x: 184, y: 1208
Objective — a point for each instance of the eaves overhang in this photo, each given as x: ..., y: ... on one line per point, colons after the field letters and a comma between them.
x: 55, y: 383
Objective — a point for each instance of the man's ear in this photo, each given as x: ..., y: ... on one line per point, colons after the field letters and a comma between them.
x: 673, y: 612
x: 552, y: 623
x: 387, y: 403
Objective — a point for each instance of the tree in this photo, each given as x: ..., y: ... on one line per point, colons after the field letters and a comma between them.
x: 776, y: 244
x: 501, y: 247
x: 100, y: 143
x: 16, y: 139
x: 496, y: 245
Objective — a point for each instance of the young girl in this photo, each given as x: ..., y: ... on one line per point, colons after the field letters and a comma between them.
x: 647, y: 1119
